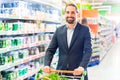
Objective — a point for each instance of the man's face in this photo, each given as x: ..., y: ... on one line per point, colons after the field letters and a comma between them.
x: 70, y: 14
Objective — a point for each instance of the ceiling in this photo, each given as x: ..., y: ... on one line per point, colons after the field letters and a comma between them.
x: 95, y: 2
x: 104, y: 1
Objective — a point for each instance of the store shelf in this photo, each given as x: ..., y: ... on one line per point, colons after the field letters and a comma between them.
x: 30, y: 73
x: 105, y: 33
x: 20, y: 33
x: 4, y: 50
x: 29, y: 19
x: 18, y: 62
x: 26, y: 29
x: 12, y: 17
x: 45, y: 3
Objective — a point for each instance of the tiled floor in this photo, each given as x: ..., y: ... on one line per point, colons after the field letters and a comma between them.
x: 109, y: 68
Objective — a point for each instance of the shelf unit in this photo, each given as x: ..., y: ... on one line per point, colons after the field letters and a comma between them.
x: 92, y: 19
x: 105, y: 32
x: 103, y: 41
x: 26, y: 28
x: 18, y: 62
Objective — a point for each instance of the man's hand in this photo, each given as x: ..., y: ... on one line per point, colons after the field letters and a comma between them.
x: 78, y: 71
x: 46, y: 69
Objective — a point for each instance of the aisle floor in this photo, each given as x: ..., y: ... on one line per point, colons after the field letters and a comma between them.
x: 109, y: 67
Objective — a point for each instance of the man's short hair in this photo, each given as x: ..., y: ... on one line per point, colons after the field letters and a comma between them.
x: 72, y: 5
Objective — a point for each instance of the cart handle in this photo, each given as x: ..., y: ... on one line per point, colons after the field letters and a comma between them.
x: 61, y: 71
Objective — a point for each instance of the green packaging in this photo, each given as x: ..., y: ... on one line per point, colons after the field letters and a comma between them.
x: 2, y: 60
x: 6, y: 26
x: 1, y: 26
x: 15, y: 27
x: 2, y: 43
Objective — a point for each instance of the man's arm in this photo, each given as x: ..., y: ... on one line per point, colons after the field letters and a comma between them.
x: 51, y: 50
x: 87, y: 49
x: 86, y: 54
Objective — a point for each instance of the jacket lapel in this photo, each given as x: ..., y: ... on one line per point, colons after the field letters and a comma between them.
x: 65, y: 37
x: 75, y: 35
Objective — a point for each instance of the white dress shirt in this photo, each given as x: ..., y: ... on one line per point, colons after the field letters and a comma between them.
x: 69, y: 35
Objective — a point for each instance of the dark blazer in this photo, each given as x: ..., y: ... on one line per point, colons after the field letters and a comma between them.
x: 79, y: 52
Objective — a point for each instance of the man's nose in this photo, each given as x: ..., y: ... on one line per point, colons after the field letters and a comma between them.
x: 69, y: 14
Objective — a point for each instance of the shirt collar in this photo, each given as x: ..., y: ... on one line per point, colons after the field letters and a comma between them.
x: 73, y: 27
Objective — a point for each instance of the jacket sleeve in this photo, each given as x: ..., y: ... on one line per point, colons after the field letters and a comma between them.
x: 51, y: 50
x: 87, y: 50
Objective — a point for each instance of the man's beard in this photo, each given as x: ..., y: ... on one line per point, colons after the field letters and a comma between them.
x: 71, y: 21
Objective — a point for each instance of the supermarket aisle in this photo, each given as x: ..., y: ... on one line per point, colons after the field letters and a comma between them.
x: 109, y: 68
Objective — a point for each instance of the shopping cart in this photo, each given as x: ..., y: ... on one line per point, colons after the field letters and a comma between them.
x: 65, y: 77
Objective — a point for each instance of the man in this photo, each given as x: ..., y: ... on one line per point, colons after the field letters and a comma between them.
x: 84, y: 21
x: 74, y: 43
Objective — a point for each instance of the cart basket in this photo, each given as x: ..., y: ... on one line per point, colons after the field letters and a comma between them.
x: 59, y: 75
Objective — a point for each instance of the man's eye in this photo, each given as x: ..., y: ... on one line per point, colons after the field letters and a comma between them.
x: 67, y: 12
x: 73, y: 12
